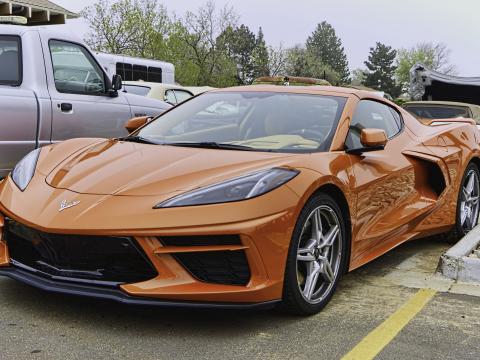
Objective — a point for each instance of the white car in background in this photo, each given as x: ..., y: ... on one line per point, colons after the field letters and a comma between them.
x: 173, y: 94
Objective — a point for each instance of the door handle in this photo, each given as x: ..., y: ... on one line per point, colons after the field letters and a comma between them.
x: 65, y: 107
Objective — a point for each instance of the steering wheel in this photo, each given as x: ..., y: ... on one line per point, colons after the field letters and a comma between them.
x: 94, y: 86
x: 309, y: 134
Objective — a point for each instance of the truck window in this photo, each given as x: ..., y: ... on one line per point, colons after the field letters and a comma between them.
x: 140, y: 73
x: 75, y: 71
x: 155, y: 74
x: 10, y: 60
x: 125, y: 71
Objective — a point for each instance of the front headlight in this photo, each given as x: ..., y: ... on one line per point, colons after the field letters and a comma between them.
x: 242, y: 188
x: 24, y: 170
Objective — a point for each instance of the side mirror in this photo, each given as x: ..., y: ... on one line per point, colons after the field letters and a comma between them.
x: 135, y: 123
x: 373, y: 138
x: 117, y: 82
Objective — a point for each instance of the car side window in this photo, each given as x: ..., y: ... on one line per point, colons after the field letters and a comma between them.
x: 371, y: 114
x: 10, y: 60
x: 170, y: 96
x: 74, y: 69
x: 182, y: 95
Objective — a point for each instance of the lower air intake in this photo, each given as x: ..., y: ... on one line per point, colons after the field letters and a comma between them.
x: 218, y: 267
x: 102, y: 260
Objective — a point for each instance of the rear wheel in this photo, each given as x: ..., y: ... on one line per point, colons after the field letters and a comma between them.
x: 316, y: 258
x: 468, y: 204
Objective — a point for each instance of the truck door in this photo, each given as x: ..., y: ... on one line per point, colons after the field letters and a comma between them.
x: 81, y: 105
x: 18, y: 107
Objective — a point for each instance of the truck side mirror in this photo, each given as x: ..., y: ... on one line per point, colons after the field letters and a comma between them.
x: 117, y: 82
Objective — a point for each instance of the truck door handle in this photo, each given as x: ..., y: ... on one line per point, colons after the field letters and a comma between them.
x: 66, y: 107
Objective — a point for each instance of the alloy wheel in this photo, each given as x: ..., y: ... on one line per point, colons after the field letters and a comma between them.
x: 469, y: 203
x: 319, y: 254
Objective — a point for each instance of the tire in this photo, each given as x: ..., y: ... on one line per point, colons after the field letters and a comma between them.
x: 299, y: 297
x: 462, y: 227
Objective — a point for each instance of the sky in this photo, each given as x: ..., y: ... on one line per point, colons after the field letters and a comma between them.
x: 359, y: 23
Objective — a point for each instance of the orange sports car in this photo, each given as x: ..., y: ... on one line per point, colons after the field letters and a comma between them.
x: 240, y: 197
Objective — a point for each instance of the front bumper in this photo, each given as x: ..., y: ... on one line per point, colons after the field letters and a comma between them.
x: 264, y: 239
x: 117, y: 295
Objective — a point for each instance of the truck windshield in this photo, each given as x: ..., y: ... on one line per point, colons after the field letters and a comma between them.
x: 10, y: 65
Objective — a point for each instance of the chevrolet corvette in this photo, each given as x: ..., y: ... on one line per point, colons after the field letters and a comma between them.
x: 242, y: 197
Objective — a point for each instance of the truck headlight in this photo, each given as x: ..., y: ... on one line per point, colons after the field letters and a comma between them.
x: 241, y: 188
x: 23, y: 172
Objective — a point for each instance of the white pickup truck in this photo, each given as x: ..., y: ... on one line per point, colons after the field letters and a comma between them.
x: 52, y: 88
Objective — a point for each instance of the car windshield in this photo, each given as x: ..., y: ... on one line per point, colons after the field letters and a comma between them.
x: 437, y: 112
x: 264, y: 121
x: 136, y: 89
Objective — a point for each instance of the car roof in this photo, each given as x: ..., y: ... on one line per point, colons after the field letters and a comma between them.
x: 334, y: 90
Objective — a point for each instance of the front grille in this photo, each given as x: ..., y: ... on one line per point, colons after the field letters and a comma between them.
x: 103, y: 260
x: 218, y: 267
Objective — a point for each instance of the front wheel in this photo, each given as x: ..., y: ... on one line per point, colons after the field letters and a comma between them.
x: 317, y: 257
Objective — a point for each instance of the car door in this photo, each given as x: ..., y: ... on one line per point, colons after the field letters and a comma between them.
x: 387, y: 197
x: 81, y: 104
x: 18, y: 107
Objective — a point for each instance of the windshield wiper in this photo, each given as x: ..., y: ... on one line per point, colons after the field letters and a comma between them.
x: 138, y: 139
x: 211, y: 145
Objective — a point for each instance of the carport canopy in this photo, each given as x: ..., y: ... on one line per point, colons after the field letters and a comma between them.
x: 428, y: 85
x: 37, y: 12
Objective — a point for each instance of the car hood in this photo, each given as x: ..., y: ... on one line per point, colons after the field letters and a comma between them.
x: 131, y: 169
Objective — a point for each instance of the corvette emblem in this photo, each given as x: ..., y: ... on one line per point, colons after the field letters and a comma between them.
x: 66, y: 205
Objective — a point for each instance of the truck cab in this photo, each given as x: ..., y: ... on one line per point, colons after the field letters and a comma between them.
x: 53, y: 88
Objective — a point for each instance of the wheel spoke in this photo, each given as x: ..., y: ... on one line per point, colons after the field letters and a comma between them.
x: 305, y: 255
x: 326, y: 269
x: 463, y: 213
x: 330, y: 237
x: 470, y: 184
x: 311, y: 280
x: 317, y: 227
x: 474, y: 200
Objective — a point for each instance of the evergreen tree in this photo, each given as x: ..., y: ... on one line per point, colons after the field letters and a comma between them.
x: 239, y: 44
x: 260, y: 56
x: 326, y: 47
x: 300, y: 62
x: 380, y: 73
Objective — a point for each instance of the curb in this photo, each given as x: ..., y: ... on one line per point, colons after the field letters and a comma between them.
x: 457, y: 263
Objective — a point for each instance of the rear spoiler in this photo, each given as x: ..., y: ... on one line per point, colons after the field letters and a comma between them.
x: 439, y: 122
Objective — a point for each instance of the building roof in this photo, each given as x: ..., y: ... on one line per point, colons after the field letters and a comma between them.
x: 37, y: 12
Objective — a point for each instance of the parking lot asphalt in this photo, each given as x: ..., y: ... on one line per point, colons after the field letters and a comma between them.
x: 38, y: 325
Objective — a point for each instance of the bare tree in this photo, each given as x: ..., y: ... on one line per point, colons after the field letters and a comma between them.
x: 130, y: 27
x: 203, y: 28
x: 277, y: 60
x: 435, y: 56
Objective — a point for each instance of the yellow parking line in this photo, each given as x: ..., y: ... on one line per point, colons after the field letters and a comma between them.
x: 380, y: 337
